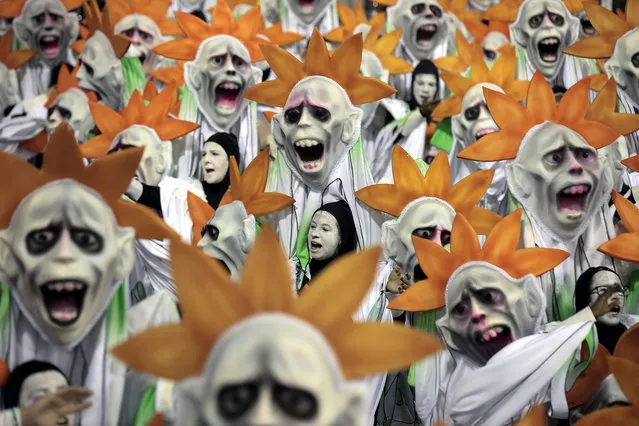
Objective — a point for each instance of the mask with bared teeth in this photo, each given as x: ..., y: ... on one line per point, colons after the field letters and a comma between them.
x: 423, y: 23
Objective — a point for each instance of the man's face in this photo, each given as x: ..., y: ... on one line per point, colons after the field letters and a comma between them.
x: 424, y: 88
x: 72, y: 107
x: 430, y: 219
x: 101, y: 71
x: 67, y: 256
x: 491, y: 44
x: 545, y: 30
x: 316, y: 128
x: 155, y: 160
x: 219, y: 76
x: 600, y: 283
x: 308, y: 10
x: 624, y: 64
x: 424, y: 26
x: 144, y: 35
x: 39, y: 385
x: 215, y: 162
x: 371, y: 67
x: 560, y: 175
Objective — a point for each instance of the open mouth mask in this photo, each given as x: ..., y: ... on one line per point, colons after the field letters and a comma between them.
x: 558, y: 179
x: 424, y: 26
x: 145, y: 36
x: 46, y: 26
x: 218, y: 77
x: 316, y: 129
x: 72, y: 107
x: 544, y: 29
x: 64, y: 256
x: 309, y: 11
x: 623, y: 66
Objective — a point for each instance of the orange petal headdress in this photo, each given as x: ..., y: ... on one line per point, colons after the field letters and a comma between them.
x: 479, y: 30
x: 624, y: 246
x: 66, y: 81
x: 155, y: 116
x: 502, y: 74
x: 246, y: 29
x: 350, y: 20
x: 156, y: 10
x: 604, y: 110
x: 13, y: 59
x: 342, y: 66
x: 212, y: 303
x: 10, y: 9
x: 515, y: 121
x: 610, y: 28
x: 100, y: 21
x: 575, y: 6
x: 504, y: 11
x: 409, y: 185
x: 276, y: 34
x: 151, y: 92
x: 109, y: 176
x: 458, y: 8
x: 500, y: 249
x: 466, y: 51
x: 383, y: 47
x: 170, y: 75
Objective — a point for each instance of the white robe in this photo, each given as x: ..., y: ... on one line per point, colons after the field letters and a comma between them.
x: 324, y: 22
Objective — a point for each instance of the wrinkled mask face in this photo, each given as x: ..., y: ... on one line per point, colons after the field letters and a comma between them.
x: 67, y: 256
x: 558, y: 176
x: 424, y: 88
x: 8, y: 95
x: 430, y: 219
x: 229, y: 236
x: 215, y: 162
x: 101, y: 71
x: 624, y: 64
x: 371, y: 67
x: 601, y: 282
x: 71, y: 107
x: 5, y: 25
x: 491, y: 44
x: 316, y: 128
x: 544, y: 30
x: 46, y: 26
x: 145, y: 36
x: 41, y: 384
x: 482, y: 314
x: 219, y: 76
x: 585, y: 26
x: 308, y: 11
x: 424, y: 26
x: 324, y: 236
x: 156, y: 157
x: 276, y: 370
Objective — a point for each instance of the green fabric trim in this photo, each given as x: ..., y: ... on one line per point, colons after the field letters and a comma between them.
x: 117, y: 326
x: 5, y: 304
x: 443, y: 136
x: 632, y: 302
x: 423, y: 167
x: 146, y: 410
x: 134, y: 77
x: 425, y: 323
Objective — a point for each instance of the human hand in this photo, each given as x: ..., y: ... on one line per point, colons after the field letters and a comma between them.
x: 48, y: 410
x: 397, y: 282
x: 601, y: 306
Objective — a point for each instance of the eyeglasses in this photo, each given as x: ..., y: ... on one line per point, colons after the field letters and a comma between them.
x: 603, y: 289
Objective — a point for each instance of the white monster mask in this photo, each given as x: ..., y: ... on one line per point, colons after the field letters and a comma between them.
x: 544, y: 29
x: 101, y: 71
x: 558, y: 179
x: 229, y: 236
x: 610, y: 158
x: 491, y: 44
x: 424, y: 26
x: 371, y: 67
x: 272, y: 369
x: 64, y: 256
x: 46, y: 26
x: 602, y: 281
x: 218, y: 77
x: 486, y: 309
x: 71, y: 106
x: 318, y: 126
x: 623, y: 66
x: 426, y: 217
x: 156, y: 160
x: 145, y: 35
x: 309, y: 11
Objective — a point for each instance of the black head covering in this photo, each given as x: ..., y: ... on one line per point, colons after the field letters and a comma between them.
x: 11, y: 390
x: 608, y: 335
x: 348, y: 234
x: 423, y: 67
x: 215, y: 191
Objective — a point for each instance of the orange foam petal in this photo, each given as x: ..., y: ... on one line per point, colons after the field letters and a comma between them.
x: 406, y: 173
x: 268, y: 202
x: 464, y: 244
x: 592, y: 47
x: 470, y: 190
x: 437, y: 179
x: 597, y: 134
x: 367, y: 89
x: 422, y: 296
x: 503, y: 240
x: 535, y: 261
x: 540, y: 102
x: 502, y: 145
x: 623, y: 247
x: 272, y: 92
x: 385, y: 198
x: 628, y: 212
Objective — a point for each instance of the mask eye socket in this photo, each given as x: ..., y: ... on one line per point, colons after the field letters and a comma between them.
x: 297, y: 403
x: 321, y: 114
x: 89, y: 69
x: 461, y: 309
x: 635, y: 60
x: 212, y: 231
x: 293, y: 115
x: 490, y: 54
x: 557, y: 20
x: 39, y: 19
x: 472, y: 113
x: 146, y: 37
x: 426, y: 233
x: 218, y: 60
x: 554, y: 158
x: 418, y: 9
x: 238, y: 62
x: 535, y: 21
x: 64, y: 113
x: 436, y: 11
x: 585, y: 155
x: 235, y: 400
x: 129, y: 33
x: 490, y: 296
x: 87, y: 240
x: 50, y: 111
x: 445, y: 238
x: 41, y: 240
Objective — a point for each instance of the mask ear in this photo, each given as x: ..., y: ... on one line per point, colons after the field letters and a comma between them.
x: 193, y: 76
x: 9, y: 267
x: 119, y: 75
x: 351, y: 126
x: 519, y: 37
x: 534, y: 300
x: 458, y: 128
x: 124, y: 241
x: 517, y: 179
x: 189, y: 404
x: 22, y: 31
x: 613, y: 69
x: 73, y: 25
x: 164, y: 157
x: 248, y: 233
x: 385, y: 77
x: 356, y: 401
x: 256, y: 76
x: 276, y: 129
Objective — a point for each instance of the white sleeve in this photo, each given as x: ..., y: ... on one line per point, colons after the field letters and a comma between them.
x: 11, y: 417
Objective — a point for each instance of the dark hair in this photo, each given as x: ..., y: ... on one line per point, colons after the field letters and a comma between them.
x: 228, y: 142
x: 199, y: 14
x: 215, y: 191
x: 423, y: 67
x: 582, y: 287
x: 11, y: 390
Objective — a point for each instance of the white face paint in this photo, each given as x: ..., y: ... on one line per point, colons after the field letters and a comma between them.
x: 424, y: 88
x: 5, y: 25
x: 545, y: 28
x: 64, y: 257
x: 623, y: 66
x: 145, y: 36
x: 156, y: 160
x: 229, y: 236
x: 424, y: 26
x: 323, y: 236
x: 309, y: 11
x: 71, y: 106
x: 274, y: 369
x: 218, y: 76
x: 602, y: 281
x: 316, y: 129
x: 46, y: 26
x: 557, y: 177
x: 428, y: 218
x: 101, y: 71
x: 215, y: 162
x: 486, y: 310
x: 39, y: 385
x: 371, y: 67
x: 491, y: 44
